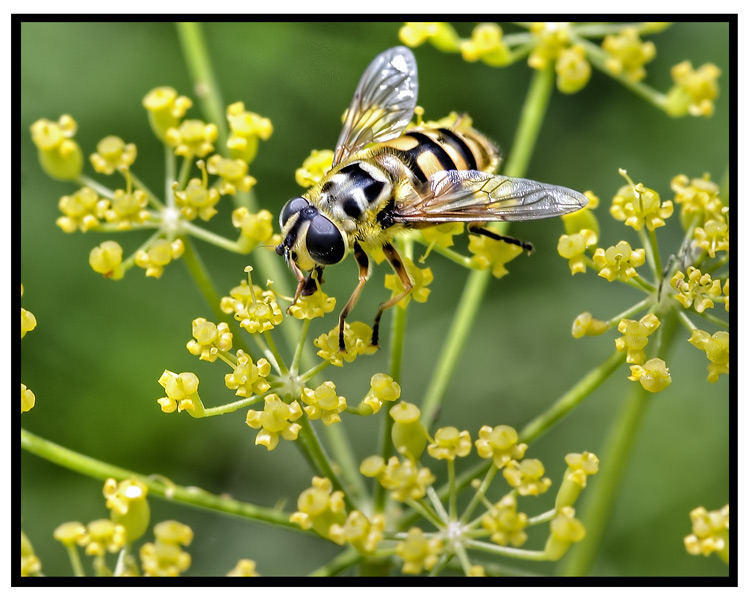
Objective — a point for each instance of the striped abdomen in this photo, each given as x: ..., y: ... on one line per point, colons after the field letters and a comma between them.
x: 422, y: 152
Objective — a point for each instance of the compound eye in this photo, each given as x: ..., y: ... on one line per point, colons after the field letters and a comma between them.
x: 324, y: 241
x: 294, y: 205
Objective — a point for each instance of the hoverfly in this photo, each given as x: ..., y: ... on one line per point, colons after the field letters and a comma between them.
x: 385, y: 179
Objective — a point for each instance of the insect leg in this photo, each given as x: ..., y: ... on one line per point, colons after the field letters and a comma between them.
x: 364, y: 273
x: 301, y: 282
x: 477, y: 229
x: 398, y: 267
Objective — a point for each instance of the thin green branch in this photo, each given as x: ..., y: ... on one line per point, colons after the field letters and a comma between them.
x: 572, y: 398
x: 84, y: 180
x: 346, y: 559
x: 155, y: 202
x: 211, y: 237
x: 509, y: 552
x: 204, y: 82
x: 191, y: 495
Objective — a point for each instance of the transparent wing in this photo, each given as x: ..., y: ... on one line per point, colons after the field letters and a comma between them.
x: 383, y: 103
x: 478, y: 196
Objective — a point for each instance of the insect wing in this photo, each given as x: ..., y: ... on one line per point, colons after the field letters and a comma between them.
x: 469, y: 195
x: 383, y: 103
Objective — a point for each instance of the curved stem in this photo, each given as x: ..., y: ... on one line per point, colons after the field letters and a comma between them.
x: 191, y: 495
x: 573, y: 397
x: 531, y: 120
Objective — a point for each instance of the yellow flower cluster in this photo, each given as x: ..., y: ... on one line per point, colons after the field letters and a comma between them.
x: 359, y: 531
x: 323, y: 403
x: 527, y: 477
x: 319, y: 507
x: 165, y: 556
x: 255, y: 228
x: 127, y: 501
x: 112, y: 154
x: 102, y: 536
x: 244, y: 567
x: 404, y: 479
x: 256, y: 309
x: 209, y: 339
x: 28, y: 399
x: 233, y: 174
x: 418, y: 551
x: 565, y: 530
x: 716, y: 348
x: 382, y: 388
x: 165, y: 109
x: 181, y: 392
x: 585, y: 324
x: 59, y: 155
x: 486, y: 44
x: 710, y: 532
x: 197, y: 199
x: 500, y: 444
x: 357, y: 341
x: 106, y: 259
x: 694, y: 90
x: 81, y: 210
x: 491, y: 254
x: 314, y: 167
x: 627, y: 54
x: 698, y: 198
x: 637, y: 206
x: 450, y: 443
x: 276, y: 419
x: 635, y: 337
x: 158, y: 255
x: 312, y: 306
x: 619, y: 262
x: 127, y: 208
x: 421, y: 278
x: 580, y: 466
x: 653, y: 375
x: 699, y: 290
x: 248, y: 378
x: 246, y: 128
x: 574, y: 246
x: 504, y: 523
x: 192, y: 138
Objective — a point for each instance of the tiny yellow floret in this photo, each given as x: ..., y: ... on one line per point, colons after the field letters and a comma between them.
x: 233, y: 174
x: 323, y: 403
x: 550, y: 38
x: 255, y: 228
x: 165, y: 109
x: 585, y: 324
x: 653, y: 375
x: 404, y: 479
x: 127, y: 208
x: 192, y: 138
x: 573, y: 69
x: 256, y: 309
x: 420, y: 278
x: 501, y: 444
x: 418, y: 552
x: 486, y: 44
x: 574, y: 246
x: 491, y: 254
x: 441, y: 35
x: 580, y: 466
x: 314, y: 167
x: 694, y: 91
x: 699, y: 199
x: 246, y: 128
x: 59, y: 155
x: 635, y: 337
x: 382, y: 388
x: 103, y: 536
x: 359, y: 531
x: 699, y: 290
x: 129, y: 506
x: 244, y: 567
x: 504, y: 523
x: 27, y: 399
x: 106, y: 259
x: 637, y: 206
x: 181, y: 392
x: 312, y: 306
x: 209, y: 339
x: 449, y: 443
x: 619, y: 261
x: 319, y: 507
x: 710, y: 532
x: 112, y: 154
x: 275, y: 420
x: 716, y: 347
x: 564, y: 530
x: 526, y: 477
x: 248, y: 378
x: 70, y: 533
x: 627, y: 54
x: 159, y: 255
x: 408, y: 434
x: 81, y: 210
x: 357, y: 341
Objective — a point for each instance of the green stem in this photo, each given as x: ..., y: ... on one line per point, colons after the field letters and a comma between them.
x: 169, y: 176
x: 422, y: 510
x: 310, y: 443
x: 294, y: 367
x: 155, y: 202
x: 344, y: 560
x: 572, y: 398
x: 601, y: 498
x: 204, y: 82
x: 715, y: 319
x: 84, y: 180
x: 277, y: 356
x: 231, y: 407
x: 629, y: 312
x: 528, y: 130
x: 182, y: 179
x: 211, y: 237
x: 509, y: 552
x: 545, y: 517
x: 314, y: 371
x: 75, y: 560
x: 202, y: 279
x: 479, y: 494
x: 191, y: 495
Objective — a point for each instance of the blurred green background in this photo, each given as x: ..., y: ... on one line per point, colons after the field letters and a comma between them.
x: 100, y: 346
